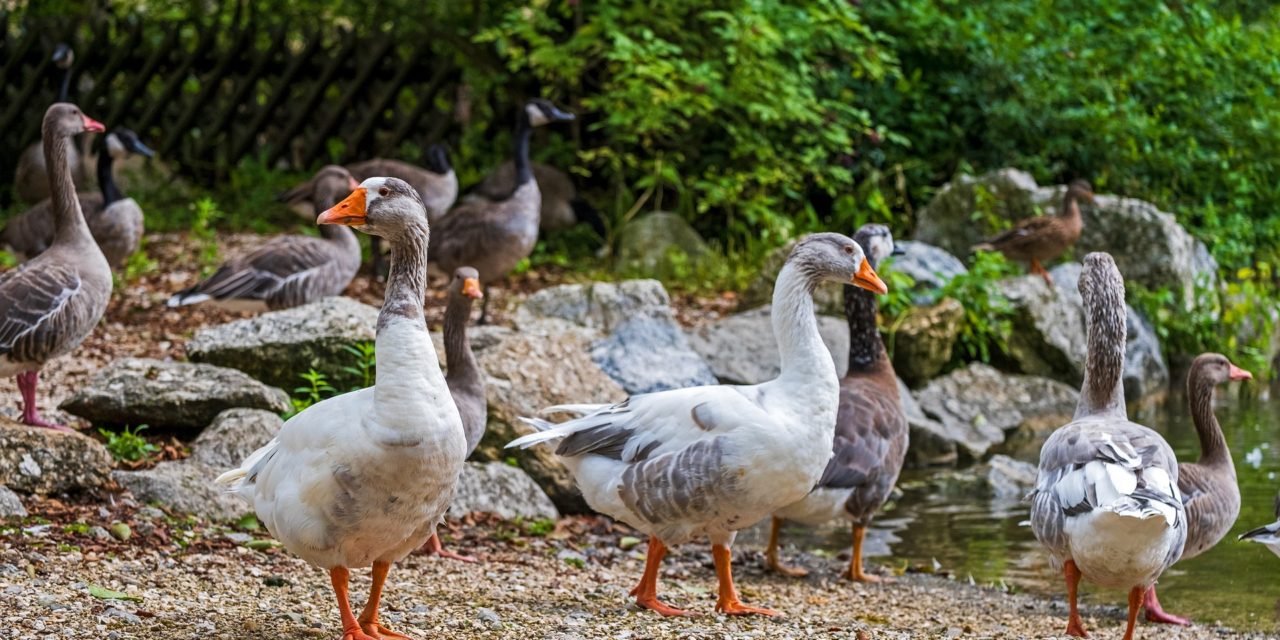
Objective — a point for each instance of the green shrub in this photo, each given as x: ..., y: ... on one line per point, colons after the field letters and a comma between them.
x: 987, y: 320
x: 128, y: 445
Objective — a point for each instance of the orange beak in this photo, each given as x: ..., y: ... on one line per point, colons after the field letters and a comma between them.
x: 867, y: 279
x: 1239, y: 374
x: 92, y: 125
x: 349, y: 212
x: 471, y: 288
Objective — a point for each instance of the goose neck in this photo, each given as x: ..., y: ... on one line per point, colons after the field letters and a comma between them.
x: 1213, y: 444
x: 866, y: 347
x: 804, y: 356
x: 1103, y: 391
x: 68, y: 219
x: 524, y: 130
x: 64, y: 89
x: 107, y: 179
x: 457, y: 346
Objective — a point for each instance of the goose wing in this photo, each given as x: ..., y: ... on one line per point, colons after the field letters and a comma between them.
x: 870, y: 445
x: 36, y: 305
x: 290, y: 265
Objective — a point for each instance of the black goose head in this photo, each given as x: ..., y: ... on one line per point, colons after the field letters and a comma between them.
x: 539, y: 112
x: 437, y: 159
x: 63, y: 56
x: 122, y: 142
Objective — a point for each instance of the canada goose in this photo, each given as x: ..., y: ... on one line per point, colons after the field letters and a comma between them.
x: 48, y: 306
x: 561, y: 206
x: 31, y: 178
x: 114, y: 220
x: 495, y: 235
x: 287, y: 271
x: 436, y: 184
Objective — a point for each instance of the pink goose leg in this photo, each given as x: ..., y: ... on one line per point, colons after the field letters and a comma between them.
x: 1156, y: 614
x: 27, y: 381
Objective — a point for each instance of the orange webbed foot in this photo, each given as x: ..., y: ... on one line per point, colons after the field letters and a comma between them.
x: 1075, y: 629
x: 653, y: 604
x: 736, y: 608
x: 867, y: 578
x: 356, y: 633
x: 445, y: 553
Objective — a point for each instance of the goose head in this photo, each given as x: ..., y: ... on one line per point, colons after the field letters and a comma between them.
x: 539, y: 112
x: 122, y: 142
x: 876, y: 242
x: 330, y: 184
x: 63, y: 56
x: 383, y: 207
x: 64, y: 120
x: 1217, y: 369
x: 466, y: 282
x: 437, y: 159
x: 833, y: 257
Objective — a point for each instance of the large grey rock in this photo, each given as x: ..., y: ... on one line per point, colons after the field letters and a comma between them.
x: 187, y: 485
x: 1049, y: 336
x: 10, y: 504
x: 44, y: 461
x: 644, y: 349
x: 921, y: 342
x: 175, y: 395
x: 1009, y: 479
x: 503, y: 490
x: 931, y: 445
x: 741, y: 348
x: 544, y: 364
x: 659, y: 244
x: 931, y: 267
x: 979, y: 406
x: 279, y: 346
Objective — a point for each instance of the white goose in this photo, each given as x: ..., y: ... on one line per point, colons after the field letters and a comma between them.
x: 1106, y: 503
x: 709, y: 461
x: 364, y: 478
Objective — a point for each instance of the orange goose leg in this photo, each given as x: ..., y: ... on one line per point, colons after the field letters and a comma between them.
x: 350, y: 627
x: 855, y: 572
x: 1074, y: 626
x: 729, y: 603
x: 1038, y: 268
x: 771, y: 554
x: 434, y: 548
x: 368, y: 619
x: 1155, y: 613
x: 1135, y: 603
x: 646, y: 592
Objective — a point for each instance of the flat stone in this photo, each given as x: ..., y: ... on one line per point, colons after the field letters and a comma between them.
x: 44, y: 461
x: 503, y: 490
x: 174, y: 395
x: 277, y: 347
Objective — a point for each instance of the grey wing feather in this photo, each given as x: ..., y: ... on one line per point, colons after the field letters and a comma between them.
x: 282, y: 273
x: 38, y: 312
x: 870, y: 447
x: 680, y: 486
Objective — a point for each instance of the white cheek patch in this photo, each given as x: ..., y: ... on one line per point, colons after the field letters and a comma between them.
x: 536, y: 117
x: 881, y: 247
x: 114, y: 146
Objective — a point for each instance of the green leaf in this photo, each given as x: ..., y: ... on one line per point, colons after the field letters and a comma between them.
x: 103, y: 593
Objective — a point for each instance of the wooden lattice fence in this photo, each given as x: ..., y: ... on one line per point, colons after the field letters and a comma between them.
x: 208, y: 93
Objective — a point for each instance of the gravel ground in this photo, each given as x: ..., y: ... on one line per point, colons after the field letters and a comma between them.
x: 194, y: 580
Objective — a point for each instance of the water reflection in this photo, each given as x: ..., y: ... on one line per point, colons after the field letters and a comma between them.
x: 1233, y: 583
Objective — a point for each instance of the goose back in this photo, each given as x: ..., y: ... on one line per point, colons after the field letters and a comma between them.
x: 491, y: 236
x: 555, y: 187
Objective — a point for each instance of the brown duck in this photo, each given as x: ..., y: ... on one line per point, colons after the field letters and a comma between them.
x: 1208, y: 485
x: 1043, y: 238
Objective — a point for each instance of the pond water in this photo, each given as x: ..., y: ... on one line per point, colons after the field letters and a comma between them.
x: 1233, y: 583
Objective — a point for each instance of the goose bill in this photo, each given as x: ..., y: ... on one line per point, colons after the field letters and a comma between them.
x: 349, y: 212
x: 1239, y: 374
x: 867, y: 279
x: 471, y: 288
x: 93, y: 125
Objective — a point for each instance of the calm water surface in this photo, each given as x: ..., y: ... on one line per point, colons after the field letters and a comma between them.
x: 1234, y: 583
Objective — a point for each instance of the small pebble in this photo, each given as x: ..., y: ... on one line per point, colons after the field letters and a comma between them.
x: 121, y: 531
x: 130, y: 618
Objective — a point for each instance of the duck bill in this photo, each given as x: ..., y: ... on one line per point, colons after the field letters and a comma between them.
x: 1239, y: 374
x: 471, y: 288
x: 866, y: 278
x: 93, y: 125
x: 349, y: 212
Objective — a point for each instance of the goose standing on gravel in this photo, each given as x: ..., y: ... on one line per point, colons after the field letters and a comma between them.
x: 1267, y: 535
x: 1106, y: 503
x: 1042, y: 238
x: 437, y: 185
x: 114, y: 220
x: 713, y: 460
x: 363, y: 479
x: 1208, y: 485
x: 463, y: 375
x: 288, y: 271
x: 871, y: 429
x: 495, y: 235
x: 48, y: 306
x: 561, y: 206
x: 31, y: 178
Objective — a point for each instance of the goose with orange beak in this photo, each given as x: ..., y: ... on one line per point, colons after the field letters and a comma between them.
x: 710, y: 461
x: 363, y: 479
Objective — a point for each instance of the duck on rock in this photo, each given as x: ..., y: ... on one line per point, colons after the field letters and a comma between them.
x: 1208, y: 485
x: 363, y: 479
x: 871, y: 428
x: 1042, y: 238
x: 1106, y: 504
x: 712, y: 460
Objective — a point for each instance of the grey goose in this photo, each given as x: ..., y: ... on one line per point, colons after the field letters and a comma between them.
x: 436, y: 184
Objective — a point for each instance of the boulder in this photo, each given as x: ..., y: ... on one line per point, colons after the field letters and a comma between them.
x: 660, y: 244
x: 546, y: 363
x: 44, y: 461
x: 978, y: 406
x: 644, y: 349
x: 931, y: 267
x: 277, y: 347
x: 187, y: 486
x: 828, y: 297
x: 1048, y: 337
x: 177, y: 395
x: 921, y: 342
x: 503, y: 490
x: 10, y: 504
x: 1009, y: 479
x: 930, y: 446
x: 741, y: 348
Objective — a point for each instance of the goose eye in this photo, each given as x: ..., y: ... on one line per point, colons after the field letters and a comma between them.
x: 384, y: 191
x: 848, y: 249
